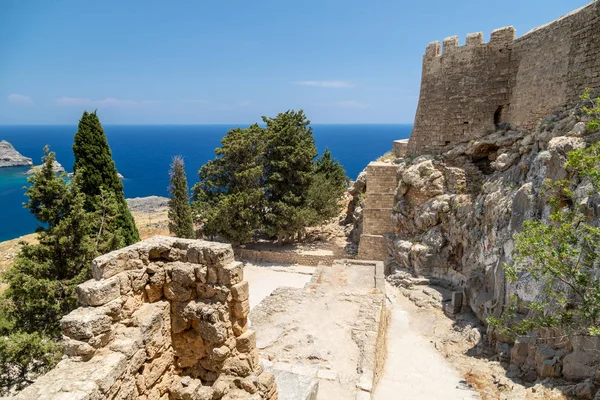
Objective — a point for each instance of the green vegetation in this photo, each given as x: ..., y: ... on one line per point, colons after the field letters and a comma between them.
x: 181, y: 222
x: 563, y: 254
x: 79, y: 220
x: 268, y: 179
x: 592, y: 109
x: 288, y: 171
x: 94, y: 164
x: 229, y: 198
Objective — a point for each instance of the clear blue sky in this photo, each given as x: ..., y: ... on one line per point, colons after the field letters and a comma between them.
x: 186, y: 62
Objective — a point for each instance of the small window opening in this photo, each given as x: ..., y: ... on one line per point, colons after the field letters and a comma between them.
x: 498, y: 115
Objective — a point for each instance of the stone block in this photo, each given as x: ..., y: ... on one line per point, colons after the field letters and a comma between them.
x: 176, y: 291
x: 76, y: 348
x: 216, y: 333
x: 239, y: 325
x: 240, y: 291
x: 183, y: 273
x: 240, y: 309
x: 231, y: 274
x: 85, y: 323
x: 97, y: 293
x: 246, y: 342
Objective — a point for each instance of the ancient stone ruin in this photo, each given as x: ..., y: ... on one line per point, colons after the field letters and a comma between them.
x: 165, y: 318
x: 469, y: 90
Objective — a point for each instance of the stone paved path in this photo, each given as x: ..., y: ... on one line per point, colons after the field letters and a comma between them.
x: 414, y: 370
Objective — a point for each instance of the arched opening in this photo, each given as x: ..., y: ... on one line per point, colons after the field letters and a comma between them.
x: 498, y: 116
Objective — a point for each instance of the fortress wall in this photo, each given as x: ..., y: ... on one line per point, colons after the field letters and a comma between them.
x: 461, y: 89
x: 556, y: 63
x: 466, y: 91
x: 163, y: 318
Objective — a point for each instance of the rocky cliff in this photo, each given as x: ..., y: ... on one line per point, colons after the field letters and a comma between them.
x: 454, y: 218
x: 9, y: 157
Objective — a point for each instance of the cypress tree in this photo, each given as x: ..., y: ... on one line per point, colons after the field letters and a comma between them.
x: 93, y: 161
x: 288, y: 161
x: 180, y: 212
x: 43, y: 279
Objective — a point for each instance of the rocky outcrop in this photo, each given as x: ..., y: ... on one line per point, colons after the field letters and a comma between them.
x: 165, y: 318
x: 148, y: 205
x: 455, y: 216
x: 57, y: 168
x: 9, y: 157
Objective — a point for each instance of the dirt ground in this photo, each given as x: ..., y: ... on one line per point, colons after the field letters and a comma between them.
x: 459, y: 340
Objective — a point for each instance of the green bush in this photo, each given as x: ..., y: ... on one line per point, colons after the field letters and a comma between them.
x: 592, y: 109
x: 563, y: 254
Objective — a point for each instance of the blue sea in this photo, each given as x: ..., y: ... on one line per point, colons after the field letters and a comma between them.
x: 143, y: 154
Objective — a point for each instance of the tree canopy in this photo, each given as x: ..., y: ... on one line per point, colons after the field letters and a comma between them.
x: 97, y: 171
x: 181, y: 222
x: 267, y: 178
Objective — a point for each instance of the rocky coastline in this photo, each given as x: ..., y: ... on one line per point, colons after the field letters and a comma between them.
x: 10, y: 157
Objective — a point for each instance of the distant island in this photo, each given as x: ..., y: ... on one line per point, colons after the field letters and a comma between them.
x: 56, y: 167
x: 9, y: 157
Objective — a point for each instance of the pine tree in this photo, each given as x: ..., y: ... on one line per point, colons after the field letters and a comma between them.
x: 46, y: 192
x: 93, y: 161
x: 288, y: 163
x: 180, y: 212
x: 43, y: 279
x: 229, y: 196
x: 327, y: 187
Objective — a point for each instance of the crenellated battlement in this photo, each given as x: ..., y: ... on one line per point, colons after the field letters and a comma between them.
x: 499, y: 37
x: 471, y: 89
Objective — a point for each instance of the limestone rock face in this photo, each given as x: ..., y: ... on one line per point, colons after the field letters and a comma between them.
x: 455, y: 217
x: 9, y: 157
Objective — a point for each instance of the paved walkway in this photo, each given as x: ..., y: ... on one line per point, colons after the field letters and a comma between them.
x: 265, y: 278
x: 414, y: 370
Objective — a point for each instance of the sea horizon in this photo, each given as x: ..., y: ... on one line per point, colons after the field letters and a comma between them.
x: 143, y: 152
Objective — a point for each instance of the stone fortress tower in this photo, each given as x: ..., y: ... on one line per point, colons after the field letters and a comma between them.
x: 469, y: 90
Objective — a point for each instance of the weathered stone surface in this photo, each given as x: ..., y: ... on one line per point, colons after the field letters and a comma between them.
x: 516, y: 83
x: 146, y: 321
x: 85, y: 323
x: 97, y: 293
x: 231, y: 274
x: 240, y: 292
x: 246, y: 342
x: 292, y: 386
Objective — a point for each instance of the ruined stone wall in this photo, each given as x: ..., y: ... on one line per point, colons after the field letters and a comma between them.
x: 469, y: 90
x: 284, y: 257
x: 163, y: 319
x: 381, y: 186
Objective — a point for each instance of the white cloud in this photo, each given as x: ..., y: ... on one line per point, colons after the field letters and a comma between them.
x: 244, y: 103
x: 109, y: 101
x: 19, y: 99
x: 326, y: 84
x: 345, y: 104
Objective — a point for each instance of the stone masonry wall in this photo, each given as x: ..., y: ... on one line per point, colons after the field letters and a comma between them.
x: 163, y: 319
x: 283, y: 257
x: 381, y: 186
x: 469, y: 90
